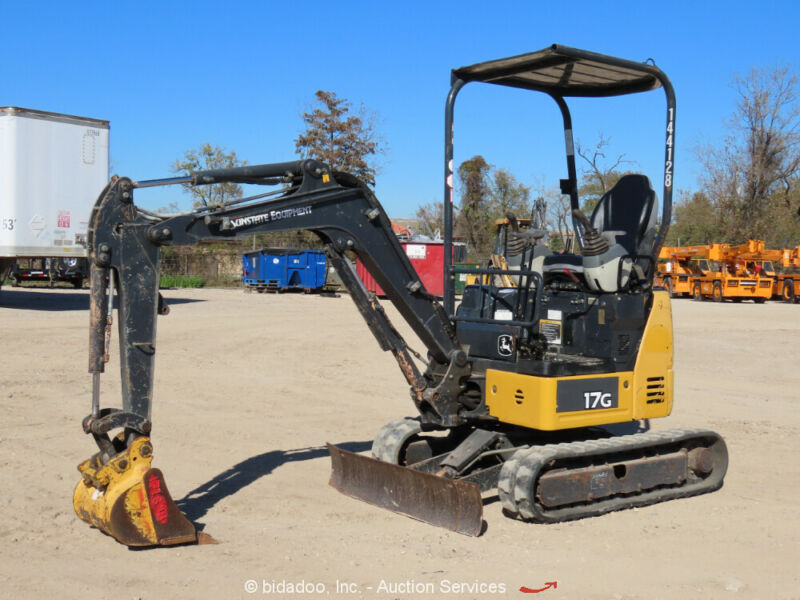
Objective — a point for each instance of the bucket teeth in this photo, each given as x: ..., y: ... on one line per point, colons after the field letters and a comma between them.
x: 449, y: 503
x: 129, y: 501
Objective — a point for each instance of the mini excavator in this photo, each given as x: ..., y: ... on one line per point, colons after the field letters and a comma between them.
x: 523, y: 385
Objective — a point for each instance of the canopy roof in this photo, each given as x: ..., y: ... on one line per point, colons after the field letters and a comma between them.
x: 565, y: 71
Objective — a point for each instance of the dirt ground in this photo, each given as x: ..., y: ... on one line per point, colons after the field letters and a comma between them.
x: 249, y: 387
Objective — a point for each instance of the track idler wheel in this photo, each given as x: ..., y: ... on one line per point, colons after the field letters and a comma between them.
x: 390, y: 443
x: 128, y: 500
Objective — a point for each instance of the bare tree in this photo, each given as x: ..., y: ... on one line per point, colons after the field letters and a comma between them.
x: 768, y: 116
x: 430, y: 219
x: 598, y: 179
x: 758, y: 164
x: 557, y: 215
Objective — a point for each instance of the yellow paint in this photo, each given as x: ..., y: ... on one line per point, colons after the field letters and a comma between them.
x: 530, y: 401
x: 122, y: 481
x: 654, y: 361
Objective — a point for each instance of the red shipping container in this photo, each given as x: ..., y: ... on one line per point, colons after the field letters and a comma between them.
x: 427, y: 258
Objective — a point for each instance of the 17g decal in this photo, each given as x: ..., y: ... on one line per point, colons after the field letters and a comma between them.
x: 597, y: 400
x: 595, y: 393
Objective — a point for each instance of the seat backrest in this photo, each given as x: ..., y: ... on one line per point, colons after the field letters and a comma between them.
x: 629, y: 207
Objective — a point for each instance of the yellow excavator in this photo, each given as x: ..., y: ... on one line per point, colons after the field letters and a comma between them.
x: 539, y: 392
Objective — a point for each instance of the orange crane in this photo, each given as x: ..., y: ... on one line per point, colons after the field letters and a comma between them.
x: 740, y: 275
x: 678, y: 266
x: 786, y: 284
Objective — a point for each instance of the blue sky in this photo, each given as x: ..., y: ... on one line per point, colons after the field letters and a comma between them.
x: 172, y: 75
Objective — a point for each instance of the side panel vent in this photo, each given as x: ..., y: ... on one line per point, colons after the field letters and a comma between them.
x: 656, y: 393
x: 519, y: 396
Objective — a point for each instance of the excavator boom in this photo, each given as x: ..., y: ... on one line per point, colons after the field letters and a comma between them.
x: 125, y: 243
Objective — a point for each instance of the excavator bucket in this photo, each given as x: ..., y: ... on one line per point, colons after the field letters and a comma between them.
x: 449, y: 503
x: 129, y: 501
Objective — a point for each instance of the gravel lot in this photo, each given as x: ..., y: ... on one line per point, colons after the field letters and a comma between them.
x: 249, y: 387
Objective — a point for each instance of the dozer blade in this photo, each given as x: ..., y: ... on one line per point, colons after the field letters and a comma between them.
x: 129, y: 501
x: 450, y: 503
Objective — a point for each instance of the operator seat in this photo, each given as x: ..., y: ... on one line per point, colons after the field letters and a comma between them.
x: 625, y: 215
x: 627, y: 212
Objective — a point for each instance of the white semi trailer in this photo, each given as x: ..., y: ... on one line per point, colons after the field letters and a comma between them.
x: 52, y: 168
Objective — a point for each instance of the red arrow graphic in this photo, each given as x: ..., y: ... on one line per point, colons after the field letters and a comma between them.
x: 547, y: 586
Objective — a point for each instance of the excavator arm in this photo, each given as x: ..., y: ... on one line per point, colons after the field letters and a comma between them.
x: 119, y: 493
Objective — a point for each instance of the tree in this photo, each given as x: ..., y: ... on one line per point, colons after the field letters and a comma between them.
x: 490, y: 195
x: 597, y: 180
x: 345, y: 141
x: 474, y: 219
x: 784, y: 219
x: 695, y: 222
x: 209, y: 157
x: 430, y: 219
x: 487, y: 194
x: 752, y: 177
x: 557, y: 216
x: 508, y: 195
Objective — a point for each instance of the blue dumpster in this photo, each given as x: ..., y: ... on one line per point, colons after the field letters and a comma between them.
x: 281, y: 269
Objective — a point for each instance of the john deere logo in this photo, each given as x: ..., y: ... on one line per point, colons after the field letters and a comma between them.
x: 505, y: 345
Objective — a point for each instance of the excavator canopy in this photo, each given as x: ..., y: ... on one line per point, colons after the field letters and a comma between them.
x: 565, y: 71
x: 560, y: 72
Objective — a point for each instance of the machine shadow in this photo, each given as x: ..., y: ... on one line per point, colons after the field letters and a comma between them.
x: 46, y: 300
x: 196, y: 503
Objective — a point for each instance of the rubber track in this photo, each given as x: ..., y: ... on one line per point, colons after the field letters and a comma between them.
x: 390, y: 439
x: 518, y: 478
